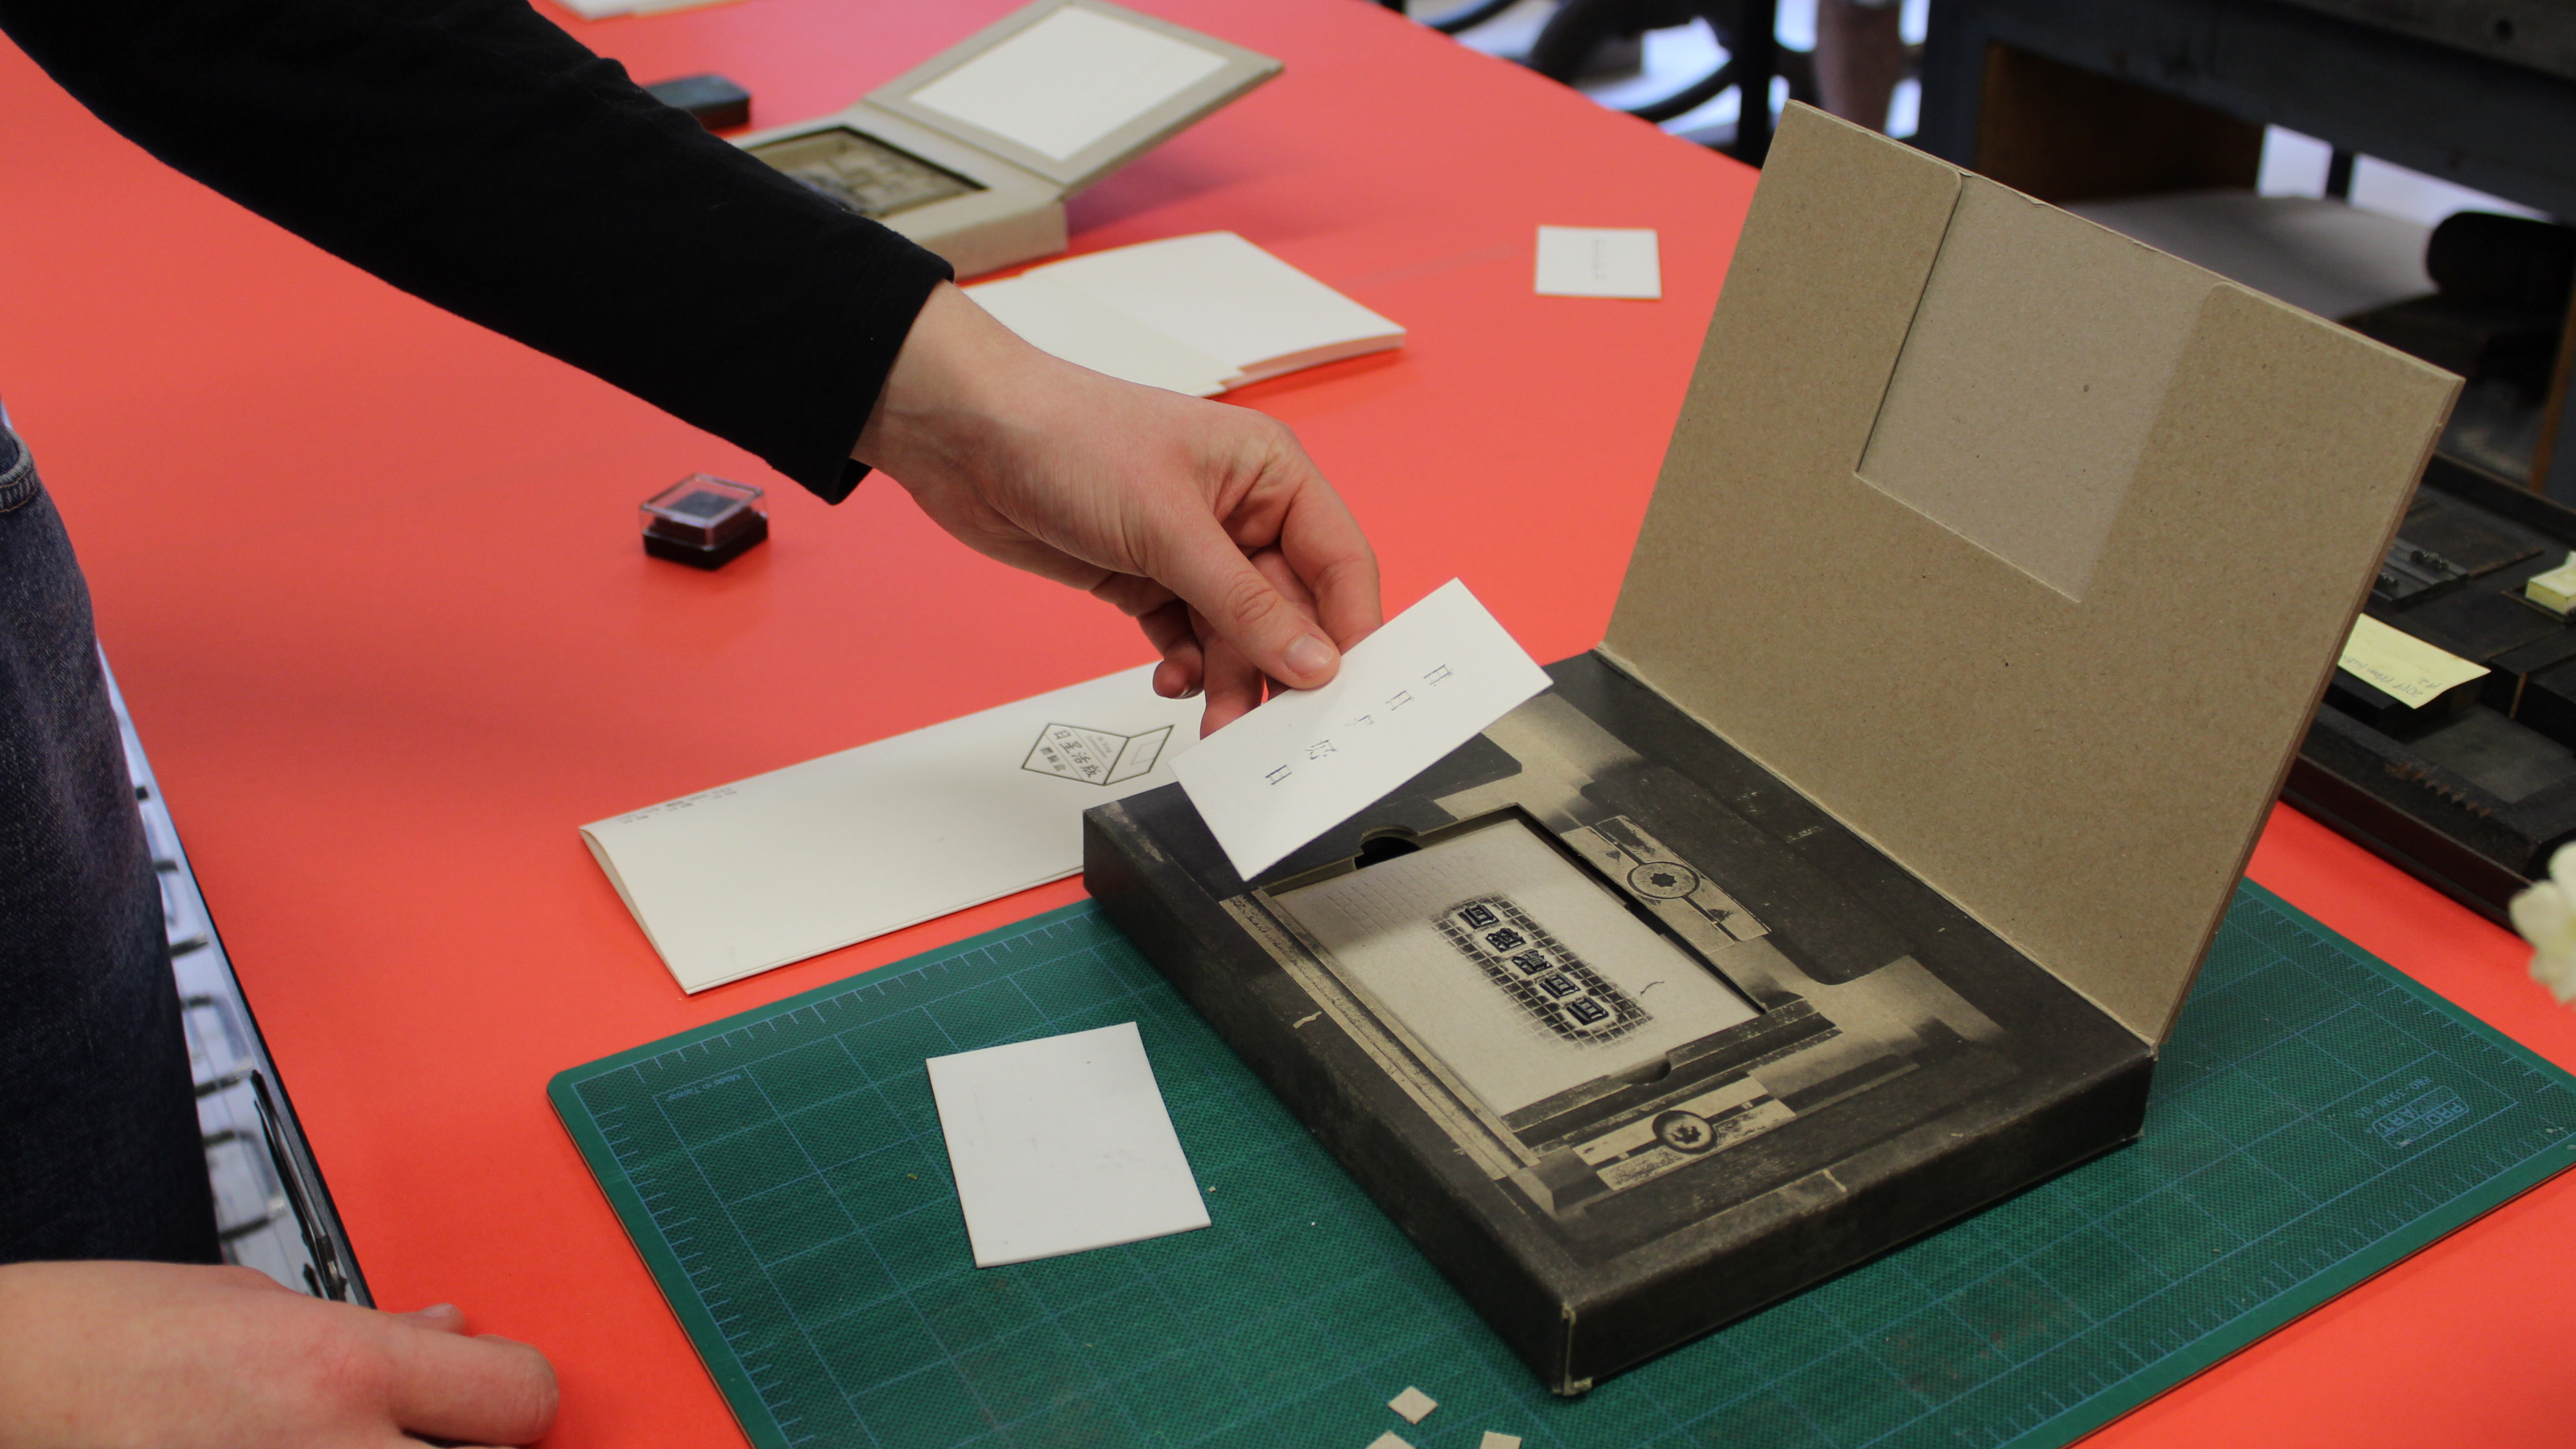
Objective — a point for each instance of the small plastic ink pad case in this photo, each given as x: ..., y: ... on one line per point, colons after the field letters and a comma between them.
x: 704, y: 521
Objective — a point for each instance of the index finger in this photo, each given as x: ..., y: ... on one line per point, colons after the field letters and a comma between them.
x: 1322, y: 543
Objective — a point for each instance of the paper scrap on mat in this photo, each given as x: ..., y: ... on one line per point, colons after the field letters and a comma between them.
x: 1306, y: 761
x: 773, y: 869
x: 2400, y: 664
x: 1061, y: 1145
x: 1590, y: 261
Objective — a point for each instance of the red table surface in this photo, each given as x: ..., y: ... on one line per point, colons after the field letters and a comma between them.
x: 370, y: 579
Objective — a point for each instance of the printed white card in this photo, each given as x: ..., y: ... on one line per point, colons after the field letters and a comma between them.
x: 1061, y: 1145
x: 748, y: 876
x: 1306, y: 761
x: 1592, y: 261
x: 1068, y: 81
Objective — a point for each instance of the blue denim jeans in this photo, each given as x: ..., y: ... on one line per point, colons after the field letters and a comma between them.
x: 99, y: 1150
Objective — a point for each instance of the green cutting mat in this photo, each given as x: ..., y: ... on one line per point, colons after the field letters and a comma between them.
x: 2318, y: 1116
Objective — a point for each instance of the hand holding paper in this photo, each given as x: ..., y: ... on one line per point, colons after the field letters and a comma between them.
x: 1305, y: 762
x: 1162, y: 505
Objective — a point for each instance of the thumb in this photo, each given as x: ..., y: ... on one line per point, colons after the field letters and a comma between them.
x: 1208, y: 570
x: 478, y: 1390
x: 437, y: 1318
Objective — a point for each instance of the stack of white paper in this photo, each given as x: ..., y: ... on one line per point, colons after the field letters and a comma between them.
x: 1195, y: 314
x: 804, y: 860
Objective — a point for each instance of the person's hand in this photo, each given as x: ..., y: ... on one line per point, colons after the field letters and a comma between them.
x: 152, y: 1354
x: 1205, y: 522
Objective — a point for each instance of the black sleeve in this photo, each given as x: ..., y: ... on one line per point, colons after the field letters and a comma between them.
x: 472, y: 154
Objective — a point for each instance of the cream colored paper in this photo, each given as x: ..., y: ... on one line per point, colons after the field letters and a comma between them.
x: 1072, y: 324
x: 735, y: 880
x: 2554, y: 590
x: 1061, y: 1145
x: 2396, y: 662
x: 1223, y: 296
x: 1067, y: 81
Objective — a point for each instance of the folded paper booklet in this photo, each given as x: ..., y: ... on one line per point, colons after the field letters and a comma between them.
x: 736, y: 880
x: 1195, y: 314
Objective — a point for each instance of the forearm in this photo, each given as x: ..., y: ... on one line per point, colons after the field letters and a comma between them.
x: 471, y: 153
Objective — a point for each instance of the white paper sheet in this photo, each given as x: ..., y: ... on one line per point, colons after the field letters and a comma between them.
x: 773, y: 869
x: 1068, y: 81
x: 1061, y: 1145
x: 1223, y: 296
x: 1305, y: 762
x: 1588, y: 261
x: 1073, y: 325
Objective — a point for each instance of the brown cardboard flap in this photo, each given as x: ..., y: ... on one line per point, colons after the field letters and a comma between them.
x: 2022, y: 548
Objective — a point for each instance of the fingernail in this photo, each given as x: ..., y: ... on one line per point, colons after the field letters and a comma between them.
x: 435, y: 1310
x: 1310, y: 655
x: 1190, y: 693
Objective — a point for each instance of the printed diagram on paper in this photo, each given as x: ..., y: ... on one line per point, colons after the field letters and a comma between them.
x: 1538, y: 972
x: 1097, y: 757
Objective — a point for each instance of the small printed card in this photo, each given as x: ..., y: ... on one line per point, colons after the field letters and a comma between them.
x: 1306, y: 761
x: 1592, y: 261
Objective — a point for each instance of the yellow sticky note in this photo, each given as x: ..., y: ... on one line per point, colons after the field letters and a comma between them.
x: 2554, y: 590
x: 2400, y: 664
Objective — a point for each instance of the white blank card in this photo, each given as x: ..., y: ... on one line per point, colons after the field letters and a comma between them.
x: 1061, y: 1145
x: 1599, y: 261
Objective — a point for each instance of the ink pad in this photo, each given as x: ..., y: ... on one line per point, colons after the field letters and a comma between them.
x: 703, y: 521
x: 717, y: 104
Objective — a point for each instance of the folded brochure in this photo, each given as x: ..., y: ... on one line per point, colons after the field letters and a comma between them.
x: 745, y: 877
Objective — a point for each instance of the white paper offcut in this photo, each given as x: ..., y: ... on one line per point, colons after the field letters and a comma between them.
x: 753, y: 875
x: 1303, y: 763
x: 1061, y: 1145
x: 1599, y: 261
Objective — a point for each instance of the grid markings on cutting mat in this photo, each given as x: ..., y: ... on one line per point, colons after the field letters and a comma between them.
x: 2317, y: 1117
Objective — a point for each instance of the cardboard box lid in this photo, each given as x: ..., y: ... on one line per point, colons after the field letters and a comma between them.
x: 2022, y: 548
x: 1073, y: 89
